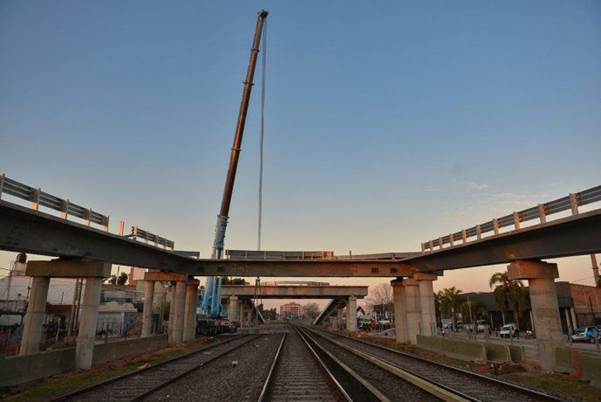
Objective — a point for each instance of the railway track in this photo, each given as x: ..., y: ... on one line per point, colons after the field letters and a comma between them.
x: 297, y: 373
x: 459, y: 384
x: 137, y: 385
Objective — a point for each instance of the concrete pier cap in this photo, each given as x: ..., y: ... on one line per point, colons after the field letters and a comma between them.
x: 69, y: 268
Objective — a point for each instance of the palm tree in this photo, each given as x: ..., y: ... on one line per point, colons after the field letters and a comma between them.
x: 450, y: 299
x: 509, y: 292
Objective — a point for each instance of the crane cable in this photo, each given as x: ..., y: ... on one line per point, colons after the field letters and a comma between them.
x: 261, y: 141
x: 262, y: 132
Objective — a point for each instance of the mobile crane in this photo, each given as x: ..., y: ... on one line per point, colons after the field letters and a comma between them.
x: 211, y: 301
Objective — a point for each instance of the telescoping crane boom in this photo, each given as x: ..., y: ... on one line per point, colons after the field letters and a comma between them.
x: 211, y: 302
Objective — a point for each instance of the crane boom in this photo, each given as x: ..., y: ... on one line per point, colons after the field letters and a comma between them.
x: 211, y: 302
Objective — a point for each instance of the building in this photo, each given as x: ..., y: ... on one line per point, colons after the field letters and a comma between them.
x: 291, y: 309
x: 579, y: 306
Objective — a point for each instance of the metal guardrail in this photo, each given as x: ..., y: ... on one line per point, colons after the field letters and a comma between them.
x: 138, y: 233
x: 278, y: 255
x: 541, y: 211
x: 40, y: 198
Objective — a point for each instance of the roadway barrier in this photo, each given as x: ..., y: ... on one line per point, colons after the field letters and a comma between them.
x: 22, y: 369
x: 497, y: 353
x: 455, y: 348
x: 464, y: 349
x: 579, y: 364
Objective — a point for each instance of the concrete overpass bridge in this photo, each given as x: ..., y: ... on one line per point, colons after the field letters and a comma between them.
x: 521, y: 239
x: 238, y: 298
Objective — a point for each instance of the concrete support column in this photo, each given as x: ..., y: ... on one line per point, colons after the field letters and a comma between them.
x: 171, y: 323
x: 351, y: 314
x: 545, y: 309
x: 233, y: 313
x: 400, y: 317
x: 34, y: 318
x: 574, y: 319
x: 334, y: 321
x: 147, y: 312
x: 242, y: 312
x: 179, y: 303
x: 84, y: 348
x: 412, y: 309
x: 426, y: 303
x: 190, y: 311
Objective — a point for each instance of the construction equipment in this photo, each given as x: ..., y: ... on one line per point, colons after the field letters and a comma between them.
x: 211, y: 302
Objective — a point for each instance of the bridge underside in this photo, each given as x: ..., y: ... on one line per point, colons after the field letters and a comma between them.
x: 294, y: 292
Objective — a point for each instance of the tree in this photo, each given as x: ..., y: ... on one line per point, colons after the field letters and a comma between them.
x: 122, y: 280
x: 509, y: 292
x: 380, y: 294
x: 311, y: 310
x: 232, y: 281
x: 450, y: 299
x: 473, y: 310
x: 270, y: 314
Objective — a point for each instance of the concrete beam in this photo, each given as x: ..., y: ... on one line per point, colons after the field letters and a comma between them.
x: 333, y: 306
x: 62, y: 268
x: 158, y: 276
x: 574, y: 235
x: 295, y: 292
x: 39, y: 233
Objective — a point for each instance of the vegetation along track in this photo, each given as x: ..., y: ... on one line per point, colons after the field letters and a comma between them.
x: 136, y: 385
x: 463, y: 383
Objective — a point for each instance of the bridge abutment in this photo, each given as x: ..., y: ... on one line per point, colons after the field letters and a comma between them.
x: 545, y: 309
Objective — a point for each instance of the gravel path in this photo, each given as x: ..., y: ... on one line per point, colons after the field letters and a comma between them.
x: 220, y: 380
x: 132, y: 386
x: 299, y: 377
x: 393, y: 387
x: 473, y: 386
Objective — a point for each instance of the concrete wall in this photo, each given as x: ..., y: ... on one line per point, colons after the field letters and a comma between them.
x: 22, y: 369
x: 456, y: 348
x: 470, y: 350
x: 112, y: 351
x: 581, y: 365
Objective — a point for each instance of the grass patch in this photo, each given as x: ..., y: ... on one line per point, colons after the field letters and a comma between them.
x: 558, y: 384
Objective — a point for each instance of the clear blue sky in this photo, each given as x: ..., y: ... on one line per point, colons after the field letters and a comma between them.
x: 387, y: 123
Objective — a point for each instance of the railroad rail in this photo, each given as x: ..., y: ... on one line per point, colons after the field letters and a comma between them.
x: 137, y: 385
x: 463, y: 384
x: 295, y: 376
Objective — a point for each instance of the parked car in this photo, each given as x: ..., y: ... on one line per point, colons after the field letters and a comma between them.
x: 482, y: 326
x: 509, y: 331
x: 586, y: 334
